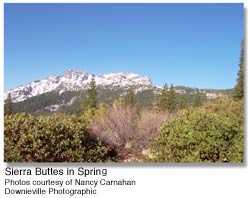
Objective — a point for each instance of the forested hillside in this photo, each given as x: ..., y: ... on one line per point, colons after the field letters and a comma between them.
x: 71, y: 102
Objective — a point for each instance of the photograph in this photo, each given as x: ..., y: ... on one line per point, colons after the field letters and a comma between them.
x: 124, y: 83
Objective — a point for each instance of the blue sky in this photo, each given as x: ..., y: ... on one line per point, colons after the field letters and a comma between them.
x: 196, y: 45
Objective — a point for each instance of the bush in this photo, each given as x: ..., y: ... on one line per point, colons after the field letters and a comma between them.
x: 124, y: 129
x: 213, y: 134
x: 56, y: 138
x: 228, y: 108
x: 148, y: 125
x: 115, y: 127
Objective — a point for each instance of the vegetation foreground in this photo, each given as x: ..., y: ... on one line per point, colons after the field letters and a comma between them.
x: 119, y: 133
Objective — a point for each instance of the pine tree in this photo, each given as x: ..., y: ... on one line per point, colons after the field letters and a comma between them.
x: 197, y: 99
x: 8, y: 105
x: 130, y: 98
x: 120, y: 102
x: 183, y: 101
x: 91, y: 101
x: 172, y: 100
x: 239, y: 88
x: 155, y: 104
x: 163, y: 100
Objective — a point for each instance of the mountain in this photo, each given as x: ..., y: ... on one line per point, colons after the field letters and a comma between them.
x: 74, y: 80
x: 66, y: 93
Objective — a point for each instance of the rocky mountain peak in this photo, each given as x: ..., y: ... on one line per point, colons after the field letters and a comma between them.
x: 75, y: 80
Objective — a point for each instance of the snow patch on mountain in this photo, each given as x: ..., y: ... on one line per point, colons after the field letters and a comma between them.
x: 74, y: 80
x: 52, y: 107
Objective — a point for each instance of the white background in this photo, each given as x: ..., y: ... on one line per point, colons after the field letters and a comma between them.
x: 153, y: 180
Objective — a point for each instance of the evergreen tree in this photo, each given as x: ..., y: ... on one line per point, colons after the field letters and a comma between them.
x: 239, y: 88
x: 91, y: 101
x: 8, y: 105
x: 172, y: 100
x: 183, y: 103
x: 155, y: 104
x: 197, y: 99
x: 130, y: 98
x: 163, y: 100
x: 120, y: 102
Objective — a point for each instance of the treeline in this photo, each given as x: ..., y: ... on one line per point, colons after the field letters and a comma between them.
x: 72, y: 102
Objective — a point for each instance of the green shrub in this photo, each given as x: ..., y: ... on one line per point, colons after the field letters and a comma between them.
x: 213, y: 134
x: 228, y: 108
x: 56, y: 138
